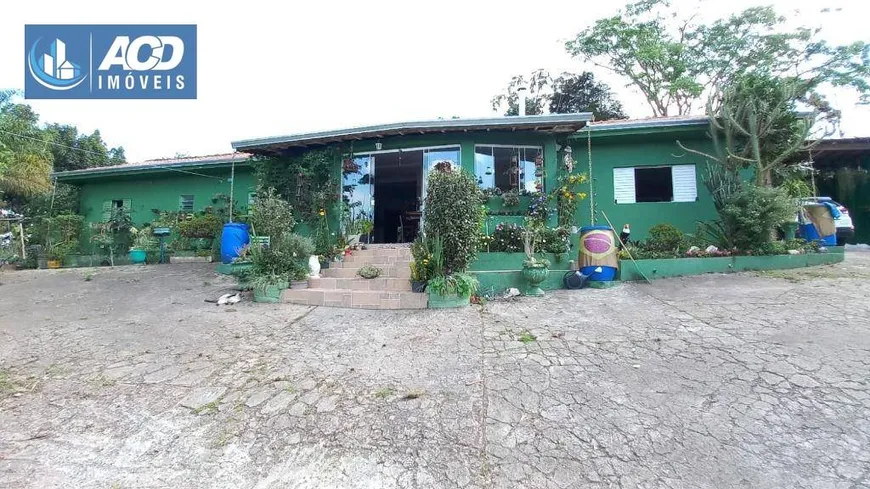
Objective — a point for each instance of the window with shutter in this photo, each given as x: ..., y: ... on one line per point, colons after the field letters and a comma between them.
x: 107, y: 210
x: 685, y: 183
x: 185, y: 203
x: 623, y: 185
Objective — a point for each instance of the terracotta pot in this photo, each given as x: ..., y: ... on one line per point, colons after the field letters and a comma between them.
x: 53, y: 263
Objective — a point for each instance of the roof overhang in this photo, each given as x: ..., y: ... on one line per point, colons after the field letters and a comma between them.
x: 155, y: 167
x: 554, y: 124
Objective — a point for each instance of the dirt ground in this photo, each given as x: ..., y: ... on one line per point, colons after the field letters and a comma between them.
x: 126, y: 378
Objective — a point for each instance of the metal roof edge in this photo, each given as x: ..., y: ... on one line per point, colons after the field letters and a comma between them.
x: 508, y: 121
x: 112, y: 170
x: 648, y: 123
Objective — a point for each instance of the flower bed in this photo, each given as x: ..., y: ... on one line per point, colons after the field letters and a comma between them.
x: 676, y: 267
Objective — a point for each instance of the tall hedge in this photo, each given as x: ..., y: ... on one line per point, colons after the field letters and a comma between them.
x: 454, y: 212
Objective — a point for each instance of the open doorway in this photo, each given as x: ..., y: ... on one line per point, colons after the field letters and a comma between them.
x: 398, y: 187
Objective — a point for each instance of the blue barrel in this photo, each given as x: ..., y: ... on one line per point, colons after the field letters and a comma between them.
x: 598, y: 248
x: 234, y: 237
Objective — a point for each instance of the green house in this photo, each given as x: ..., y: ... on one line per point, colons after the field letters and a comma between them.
x: 639, y: 175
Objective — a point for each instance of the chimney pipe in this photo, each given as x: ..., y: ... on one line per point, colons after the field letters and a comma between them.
x: 521, y: 100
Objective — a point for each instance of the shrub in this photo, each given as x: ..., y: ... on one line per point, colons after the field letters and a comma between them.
x: 286, y: 256
x: 369, y: 271
x: 460, y: 284
x: 751, y: 215
x: 539, y: 209
x: 664, y: 238
x: 454, y: 213
x: 200, y: 226
x: 554, y: 240
x: 511, y: 198
x: 421, y: 266
x: 270, y: 214
x: 506, y: 238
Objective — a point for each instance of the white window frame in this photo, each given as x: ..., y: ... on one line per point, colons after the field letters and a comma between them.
x: 624, y: 184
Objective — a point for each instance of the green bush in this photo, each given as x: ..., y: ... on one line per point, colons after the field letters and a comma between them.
x: 664, y: 238
x: 751, y: 215
x: 200, y: 226
x: 270, y: 214
x: 286, y: 256
x: 460, y: 284
x: 421, y: 266
x: 454, y: 213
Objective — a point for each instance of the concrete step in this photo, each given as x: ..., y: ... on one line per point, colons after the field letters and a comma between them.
x: 386, y: 272
x: 374, y: 262
x: 380, y: 283
x: 381, y: 252
x: 357, y: 299
x: 376, y: 259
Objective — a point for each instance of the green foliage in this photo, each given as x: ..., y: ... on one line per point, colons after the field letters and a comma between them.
x: 674, y: 60
x: 270, y: 214
x: 568, y: 93
x: 567, y: 195
x: 113, y: 236
x: 509, y: 238
x: 454, y: 214
x: 306, y: 179
x: 202, y: 225
x: 286, y: 257
x: 460, y: 284
x: 510, y: 198
x: 665, y: 238
x: 421, y: 266
x: 753, y: 214
x: 369, y: 271
x: 539, y: 210
x: 143, y: 239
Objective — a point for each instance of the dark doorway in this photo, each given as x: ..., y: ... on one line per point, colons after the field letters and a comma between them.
x: 398, y: 183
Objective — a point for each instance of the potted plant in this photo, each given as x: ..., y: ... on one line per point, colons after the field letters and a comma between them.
x: 448, y: 291
x: 142, y: 243
x: 420, y: 264
x: 454, y: 218
x: 55, y: 255
x: 299, y: 279
x: 535, y: 270
x: 267, y: 287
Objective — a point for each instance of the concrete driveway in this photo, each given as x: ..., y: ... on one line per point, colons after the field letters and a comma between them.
x: 126, y: 378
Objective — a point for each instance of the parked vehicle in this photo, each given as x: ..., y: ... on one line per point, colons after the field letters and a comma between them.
x: 845, y: 227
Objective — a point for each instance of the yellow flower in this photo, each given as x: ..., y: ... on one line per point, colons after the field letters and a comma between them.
x: 322, y: 212
x: 581, y: 195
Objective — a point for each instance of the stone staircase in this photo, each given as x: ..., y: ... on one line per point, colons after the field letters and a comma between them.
x: 340, y: 286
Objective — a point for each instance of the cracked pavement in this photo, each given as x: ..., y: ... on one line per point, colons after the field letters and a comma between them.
x: 130, y: 379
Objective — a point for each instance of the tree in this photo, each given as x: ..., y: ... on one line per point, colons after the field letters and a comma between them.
x: 754, y: 121
x: 676, y: 62
x: 24, y: 162
x: 72, y: 151
x: 568, y: 93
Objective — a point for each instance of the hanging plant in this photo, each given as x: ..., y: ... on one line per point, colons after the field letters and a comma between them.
x: 567, y: 194
x: 350, y: 166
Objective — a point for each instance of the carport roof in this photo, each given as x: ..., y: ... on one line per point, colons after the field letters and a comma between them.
x: 553, y: 123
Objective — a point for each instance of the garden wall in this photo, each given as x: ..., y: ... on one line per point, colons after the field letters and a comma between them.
x: 676, y: 267
x: 499, y: 271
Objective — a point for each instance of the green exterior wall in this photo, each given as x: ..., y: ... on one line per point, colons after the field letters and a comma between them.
x: 163, y: 191
x: 632, y: 149
x: 499, y: 271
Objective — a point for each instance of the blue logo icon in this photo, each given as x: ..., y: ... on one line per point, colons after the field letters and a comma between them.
x: 110, y: 61
x: 52, y: 69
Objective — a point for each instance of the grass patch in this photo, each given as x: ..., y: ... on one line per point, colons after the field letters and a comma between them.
x: 385, y: 393
x: 412, y: 395
x: 209, y: 408
x: 103, y: 381
x: 8, y: 383
x: 89, y: 277
x: 526, y: 337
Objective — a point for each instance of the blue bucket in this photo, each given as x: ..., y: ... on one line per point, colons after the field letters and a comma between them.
x: 235, y: 236
x: 605, y: 275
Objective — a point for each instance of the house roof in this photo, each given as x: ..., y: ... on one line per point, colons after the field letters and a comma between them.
x: 649, y: 122
x: 162, y: 164
x: 560, y: 123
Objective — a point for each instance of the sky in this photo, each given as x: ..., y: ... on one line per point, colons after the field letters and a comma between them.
x: 275, y: 68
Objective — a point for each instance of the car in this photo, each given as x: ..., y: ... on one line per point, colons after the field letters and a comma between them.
x: 845, y: 227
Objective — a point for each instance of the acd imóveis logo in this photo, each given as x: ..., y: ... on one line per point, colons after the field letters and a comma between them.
x: 110, y: 61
